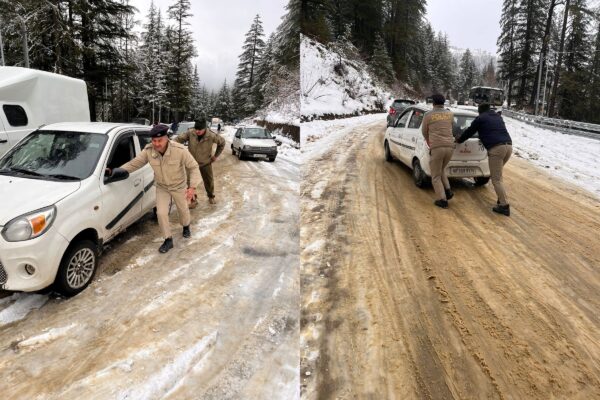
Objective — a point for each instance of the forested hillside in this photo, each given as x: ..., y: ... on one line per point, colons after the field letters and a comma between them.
x: 146, y: 68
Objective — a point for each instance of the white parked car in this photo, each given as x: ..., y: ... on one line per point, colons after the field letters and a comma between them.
x: 255, y: 142
x: 404, y: 141
x: 57, y: 207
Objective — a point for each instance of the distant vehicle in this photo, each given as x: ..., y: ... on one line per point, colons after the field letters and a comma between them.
x: 58, y: 208
x: 404, y: 141
x: 214, y: 124
x: 184, y: 126
x: 489, y: 95
x: 396, y: 109
x: 30, y: 98
x: 255, y: 142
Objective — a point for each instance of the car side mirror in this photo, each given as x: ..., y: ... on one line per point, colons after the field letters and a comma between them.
x: 118, y: 174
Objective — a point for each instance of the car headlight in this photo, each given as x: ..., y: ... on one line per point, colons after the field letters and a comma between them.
x: 30, y: 225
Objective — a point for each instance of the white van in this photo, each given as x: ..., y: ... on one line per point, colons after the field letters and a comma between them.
x: 30, y: 98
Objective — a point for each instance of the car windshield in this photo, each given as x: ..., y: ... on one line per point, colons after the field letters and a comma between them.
x: 54, y: 155
x: 255, y: 133
x: 462, y: 122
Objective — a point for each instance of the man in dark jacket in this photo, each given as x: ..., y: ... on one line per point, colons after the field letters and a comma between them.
x: 497, y: 141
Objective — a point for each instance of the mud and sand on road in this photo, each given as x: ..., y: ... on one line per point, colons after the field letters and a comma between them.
x: 215, y: 318
x: 401, y: 299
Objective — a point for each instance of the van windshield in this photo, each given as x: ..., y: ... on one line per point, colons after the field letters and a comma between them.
x: 54, y: 155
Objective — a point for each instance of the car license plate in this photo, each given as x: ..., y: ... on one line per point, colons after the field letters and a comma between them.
x: 259, y: 155
x: 462, y: 171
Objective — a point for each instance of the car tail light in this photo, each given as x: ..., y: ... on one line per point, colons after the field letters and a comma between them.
x: 392, y: 111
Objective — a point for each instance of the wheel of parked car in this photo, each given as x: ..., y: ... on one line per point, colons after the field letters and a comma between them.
x: 388, y: 155
x: 232, y: 150
x: 271, y: 159
x: 77, y: 268
x: 419, y: 175
x: 240, y: 154
x: 481, y: 180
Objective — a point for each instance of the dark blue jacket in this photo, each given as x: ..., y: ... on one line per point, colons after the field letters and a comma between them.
x: 491, y: 128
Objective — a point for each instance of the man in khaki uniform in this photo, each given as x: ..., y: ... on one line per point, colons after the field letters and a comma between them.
x: 173, y: 166
x: 437, y: 130
x: 200, y: 143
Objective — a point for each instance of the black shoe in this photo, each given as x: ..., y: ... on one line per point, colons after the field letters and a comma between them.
x: 186, y: 232
x: 504, y: 210
x: 449, y: 194
x: 166, y: 246
x: 441, y: 203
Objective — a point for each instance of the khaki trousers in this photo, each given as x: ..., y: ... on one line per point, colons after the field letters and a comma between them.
x: 438, y: 160
x: 163, y: 198
x: 497, y: 157
x: 207, y: 178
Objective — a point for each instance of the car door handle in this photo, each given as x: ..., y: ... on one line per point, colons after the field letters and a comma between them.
x: 137, y: 182
x: 3, y: 141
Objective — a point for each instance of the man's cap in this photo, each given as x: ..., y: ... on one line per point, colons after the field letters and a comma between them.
x: 483, y: 107
x: 438, y: 99
x: 159, y: 131
x: 200, y: 124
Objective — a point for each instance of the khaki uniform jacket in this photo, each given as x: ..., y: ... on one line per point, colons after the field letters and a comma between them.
x: 437, y: 128
x: 202, y: 149
x: 171, y: 169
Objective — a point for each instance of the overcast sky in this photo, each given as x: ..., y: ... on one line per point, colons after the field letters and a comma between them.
x: 472, y: 24
x: 219, y: 28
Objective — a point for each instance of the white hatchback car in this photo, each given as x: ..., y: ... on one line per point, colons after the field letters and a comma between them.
x: 404, y: 141
x: 57, y: 207
x: 255, y: 142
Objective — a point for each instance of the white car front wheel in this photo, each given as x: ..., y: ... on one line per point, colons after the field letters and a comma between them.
x: 77, y: 268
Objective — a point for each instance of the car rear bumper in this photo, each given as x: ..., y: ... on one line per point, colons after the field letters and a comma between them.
x: 43, y: 253
x: 468, y: 169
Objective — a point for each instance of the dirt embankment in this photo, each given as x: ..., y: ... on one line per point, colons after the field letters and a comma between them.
x: 402, y: 299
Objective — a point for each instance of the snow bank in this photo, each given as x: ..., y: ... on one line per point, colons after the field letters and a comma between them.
x: 573, y: 158
x: 22, y: 304
x: 45, y: 338
x: 170, y: 377
x: 320, y: 136
x: 350, y: 91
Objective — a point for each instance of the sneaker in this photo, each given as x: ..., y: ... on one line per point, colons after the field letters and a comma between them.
x: 500, y: 209
x: 186, y: 232
x: 449, y: 194
x: 441, y: 203
x: 166, y: 246
x: 212, y: 200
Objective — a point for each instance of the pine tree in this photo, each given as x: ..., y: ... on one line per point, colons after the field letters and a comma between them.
x: 381, y: 63
x: 508, y: 64
x: 572, y: 93
x: 250, y: 58
x: 468, y: 74
x: 223, y: 106
x: 178, y: 69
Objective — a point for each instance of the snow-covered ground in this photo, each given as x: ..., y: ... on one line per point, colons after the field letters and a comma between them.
x: 319, y: 136
x: 325, y: 91
x: 573, y: 158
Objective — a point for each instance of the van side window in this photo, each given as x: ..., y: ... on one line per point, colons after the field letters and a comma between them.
x: 123, y: 152
x: 15, y: 115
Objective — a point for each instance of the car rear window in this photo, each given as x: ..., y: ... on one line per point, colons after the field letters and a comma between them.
x: 15, y: 115
x: 462, y: 122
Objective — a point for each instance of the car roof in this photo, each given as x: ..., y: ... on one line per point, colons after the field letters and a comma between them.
x: 91, y: 127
